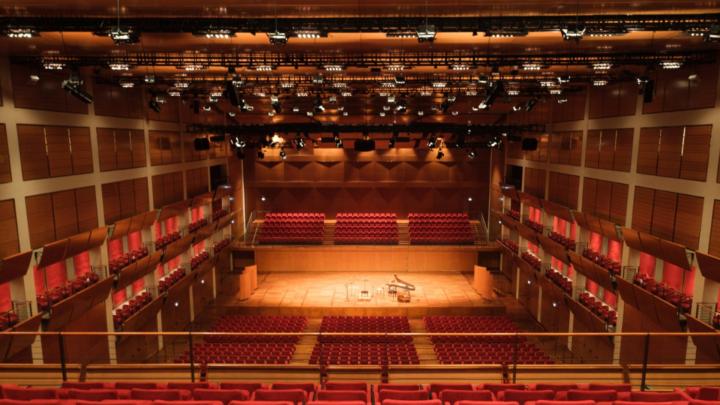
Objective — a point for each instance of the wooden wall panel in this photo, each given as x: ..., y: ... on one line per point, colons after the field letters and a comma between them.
x: 573, y: 110
x: 675, y: 90
x: 81, y: 150
x: 44, y: 94
x: 563, y: 189
x: 189, y: 148
x: 609, y: 149
x: 53, y: 151
x: 647, y: 160
x: 142, y: 199
x: 643, y: 209
x: 86, y: 208
x: 688, y: 220
x: 58, y: 151
x: 106, y: 149
x: 9, y: 241
x: 137, y: 142
x: 115, y: 101
x: 592, y: 148
x: 167, y: 189
x: 696, y: 148
x: 33, y: 156
x: 534, y: 182
x: 111, y: 202
x: 623, y: 149
x: 605, y: 199
x: 127, y: 198
x: 198, y: 181
x: 5, y: 174
x: 64, y: 214
x: 565, y: 147
x: 663, y: 219
x: 168, y: 111
x: 124, y: 199
x: 165, y: 147
x: 41, y: 223
x: 714, y: 246
x: 121, y: 148
x: 613, y: 100
x: 670, y: 152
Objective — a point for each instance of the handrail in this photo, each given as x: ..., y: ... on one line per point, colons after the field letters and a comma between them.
x: 388, y: 334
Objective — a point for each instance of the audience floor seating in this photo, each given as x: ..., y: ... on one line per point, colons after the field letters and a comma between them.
x: 366, y: 228
x: 293, y: 227
x: 479, y: 349
x: 443, y: 228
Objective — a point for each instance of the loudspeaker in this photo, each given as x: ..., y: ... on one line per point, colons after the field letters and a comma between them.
x: 364, y: 145
x: 529, y: 144
x: 648, y: 91
x: 201, y: 144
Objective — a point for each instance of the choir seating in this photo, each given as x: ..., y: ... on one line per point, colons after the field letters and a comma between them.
x: 292, y: 228
x: 440, y: 229
x: 366, y: 228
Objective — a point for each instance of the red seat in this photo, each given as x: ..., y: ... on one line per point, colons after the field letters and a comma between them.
x: 114, y: 402
x: 27, y: 394
x: 402, y: 395
x: 337, y: 403
x: 128, y: 385
x: 297, y: 396
x: 709, y: 394
x: 418, y: 402
x: 450, y: 397
x: 342, y: 395
x: 522, y: 396
x: 703, y: 402
x: 160, y: 402
x: 222, y: 395
x: 182, y: 385
x: 495, y: 388
x: 261, y: 403
x: 487, y: 403
x: 92, y: 394
x: 345, y: 386
x: 31, y: 402
x: 436, y: 389
x: 83, y: 385
x: 615, y: 387
x: 160, y: 394
x: 649, y: 396
x: 592, y: 395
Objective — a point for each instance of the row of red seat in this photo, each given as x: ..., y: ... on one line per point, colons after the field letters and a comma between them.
x: 514, y: 214
x: 217, y: 214
x: 535, y: 226
x: 567, y: 243
x: 246, y: 353
x: 678, y: 298
x: 170, y: 279
x: 8, y: 319
x: 561, y: 280
x: 118, y: 263
x: 364, y: 353
x: 221, y: 245
x: 366, y: 216
x: 49, y: 298
x: 165, y: 240
x: 490, y: 353
x: 366, y: 228
x: 443, y: 228
x: 125, y: 311
x: 597, y: 306
x: 532, y: 260
x: 298, y: 227
x: 194, y: 226
x: 198, y: 259
x: 603, y: 261
x: 511, y: 244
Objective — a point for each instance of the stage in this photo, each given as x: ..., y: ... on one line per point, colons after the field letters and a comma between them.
x: 315, y: 294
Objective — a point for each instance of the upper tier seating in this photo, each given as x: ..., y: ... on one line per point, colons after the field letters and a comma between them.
x: 293, y: 227
x: 249, y: 349
x: 479, y: 349
x: 603, y: 261
x: 443, y: 228
x: 366, y: 228
x: 348, y: 349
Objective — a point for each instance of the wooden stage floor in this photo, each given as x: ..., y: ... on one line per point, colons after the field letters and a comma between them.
x: 315, y: 294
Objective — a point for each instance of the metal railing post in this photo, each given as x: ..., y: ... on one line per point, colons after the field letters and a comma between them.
x: 646, y: 354
x: 515, y: 358
x: 63, y: 363
x: 191, y: 356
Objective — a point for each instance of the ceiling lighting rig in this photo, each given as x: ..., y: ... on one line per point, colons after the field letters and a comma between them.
x: 20, y: 32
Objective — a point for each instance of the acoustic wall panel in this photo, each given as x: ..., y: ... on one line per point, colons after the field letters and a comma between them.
x: 678, y: 152
x: 9, y: 241
x: 165, y: 147
x: 54, y: 151
x: 668, y: 215
x: 57, y: 215
x: 5, y: 174
x: 714, y: 246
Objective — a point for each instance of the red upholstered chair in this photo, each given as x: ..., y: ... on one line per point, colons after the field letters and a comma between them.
x: 84, y: 385
x: 487, y: 403
x: 703, y: 402
x: 27, y: 394
x: 346, y: 386
x: 114, y: 402
x: 128, y: 385
x: 522, y: 396
x: 250, y: 387
x: 400, y: 387
x: 183, y: 385
x: 159, y: 402
x: 309, y: 388
x: 450, y: 397
x: 708, y: 393
x: 92, y: 394
x: 556, y: 387
x: 418, y: 402
x: 342, y: 395
x: 337, y: 403
x: 160, y: 394
x: 495, y: 388
x: 296, y: 396
x: 592, y: 395
x: 261, y: 403
x: 436, y: 389
x: 552, y: 402
x: 650, y: 403
x: 402, y: 395
x: 650, y: 396
x: 31, y: 402
x: 614, y: 387
x: 224, y: 396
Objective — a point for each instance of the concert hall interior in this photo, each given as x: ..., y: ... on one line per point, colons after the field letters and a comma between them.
x: 345, y: 202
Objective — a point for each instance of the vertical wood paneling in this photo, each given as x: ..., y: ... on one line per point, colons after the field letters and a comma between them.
x: 142, y: 203
x: 696, y: 152
x: 106, y: 149
x: 714, y: 246
x: 138, y: 148
x: 9, y: 242
x: 623, y: 149
x: 124, y: 149
x: 64, y: 213
x: 81, y: 150
x: 647, y: 160
x: 670, y: 152
x: 197, y: 181
x: 606, y: 156
x: 592, y: 148
x: 33, y: 157
x: 167, y: 189
x: 58, y: 151
x: 663, y: 219
x: 643, y: 209
x: 126, y: 190
x: 40, y: 219
x: 44, y: 94
x: 603, y: 196
x: 589, y: 192
x: 618, y: 203
x: 5, y: 174
x: 165, y: 148
x: 87, y: 217
x: 688, y: 220
x: 111, y: 202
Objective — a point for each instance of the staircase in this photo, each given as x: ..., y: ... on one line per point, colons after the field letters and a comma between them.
x: 329, y: 233
x: 403, y: 232
x: 423, y: 344
x: 479, y: 232
x: 305, y: 345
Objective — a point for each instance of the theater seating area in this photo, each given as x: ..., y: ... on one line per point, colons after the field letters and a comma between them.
x: 126, y: 259
x: 351, y: 393
x: 366, y: 228
x: 598, y: 307
x: 479, y: 349
x: 198, y: 259
x: 165, y: 240
x: 561, y: 280
x: 535, y: 226
x: 8, y: 320
x: 603, y: 261
x: 293, y: 227
x: 217, y: 214
x: 170, y: 279
x: 533, y: 260
x: 125, y: 311
x: 438, y: 229
x: 221, y: 245
x: 364, y: 349
x: 514, y: 214
x: 194, y: 226
x: 664, y: 291
x: 511, y: 244
x: 249, y: 349
x: 59, y: 293
x: 567, y: 243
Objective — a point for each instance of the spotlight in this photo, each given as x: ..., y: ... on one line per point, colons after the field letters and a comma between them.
x: 118, y: 66
x: 338, y: 141
x: 494, y: 142
x: 123, y: 37
x: 74, y: 86
x: 149, y: 79
x: 216, y: 33
x: 237, y: 142
x: 573, y: 33
x: 283, y: 155
x: 126, y: 84
x: 600, y: 82
x: 309, y: 33
x: 531, y: 66
x: 277, y: 38
x: 471, y: 154
x: 275, y: 103
x: 319, y: 107
x: 154, y: 105
x: 49, y: 65
x: 431, y: 142
x: 440, y: 154
x: 299, y: 143
x: 602, y: 66
x: 530, y: 104
x: 670, y: 64
x: 20, y: 32
x: 426, y: 33
x: 506, y: 32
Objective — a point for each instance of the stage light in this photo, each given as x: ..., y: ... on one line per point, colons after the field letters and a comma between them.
x: 471, y: 154
x: 263, y: 68
x: 426, y: 33
x: 600, y: 82
x: 556, y: 91
x: 506, y: 32
x: 440, y: 154
x: 517, y: 107
x: 431, y: 142
x: 338, y: 141
x: 670, y: 64
x: 181, y: 84
x: 513, y: 92
x: 531, y: 66
x: 149, y: 79
x: 573, y: 33
x: 277, y: 38
x: 460, y: 67
x: 606, y: 32
x: 309, y: 33
x: 236, y: 142
x: 563, y: 80
x: 283, y: 155
x: 192, y: 67
x: 20, y: 32
x: 333, y: 68
x: 562, y: 100
x: 483, y: 79
x: 318, y: 107
x: 299, y: 143
x: 127, y: 84
x: 399, y: 79
x: 469, y: 199
x: 173, y: 92
x: 439, y: 85
x: 216, y: 33
x: 420, y: 113
x: 547, y: 83
x: 176, y: 304
x: 275, y: 103
x: 401, y: 34
x: 713, y: 34
x: 206, y: 108
x: 34, y: 78
x: 73, y: 85
x: 118, y: 66
x: 395, y: 68
x: 602, y: 66
x: 154, y: 105
x: 123, y: 36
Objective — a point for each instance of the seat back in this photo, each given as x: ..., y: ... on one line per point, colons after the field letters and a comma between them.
x: 614, y: 387
x: 649, y: 396
x: 402, y: 395
x: 436, y: 389
x: 158, y: 394
x: 224, y: 396
x: 592, y: 395
x: 342, y: 395
x: 399, y: 387
x: 33, y: 402
x: 555, y: 387
x: 709, y: 393
x: 160, y: 402
x: 418, y: 402
x: 453, y: 396
x: 296, y: 396
x: 337, y: 403
x: 495, y: 388
x: 250, y: 387
x: 114, y: 402
x: 346, y: 386
x: 27, y: 394
x: 487, y: 403
x: 307, y: 387
x: 82, y: 385
x: 183, y: 385
x: 261, y: 403
x: 128, y: 385
x: 92, y: 394
x: 522, y: 396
